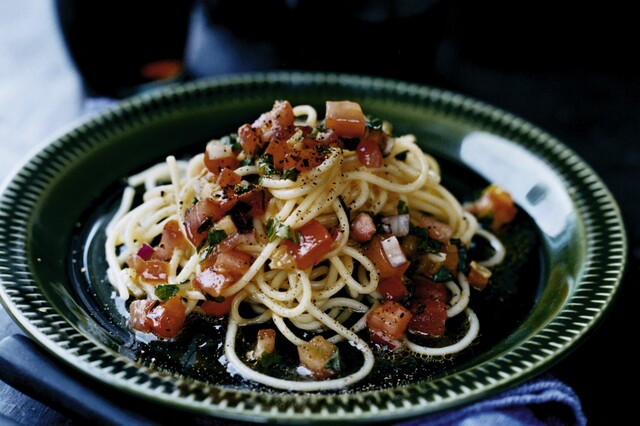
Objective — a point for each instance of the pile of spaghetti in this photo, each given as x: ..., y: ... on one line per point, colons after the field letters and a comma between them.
x: 316, y: 231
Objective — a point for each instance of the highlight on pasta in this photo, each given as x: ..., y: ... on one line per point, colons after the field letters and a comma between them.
x: 314, y: 231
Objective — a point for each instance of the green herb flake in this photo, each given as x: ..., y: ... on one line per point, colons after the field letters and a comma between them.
x: 166, y: 292
x: 335, y: 362
x: 216, y: 236
x: 443, y: 275
x: 265, y: 165
x: 276, y: 230
x: 233, y: 141
x: 402, y: 207
x: 268, y: 359
x: 374, y: 123
x: 291, y: 174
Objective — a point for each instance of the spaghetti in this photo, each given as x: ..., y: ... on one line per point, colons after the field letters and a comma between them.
x: 334, y: 229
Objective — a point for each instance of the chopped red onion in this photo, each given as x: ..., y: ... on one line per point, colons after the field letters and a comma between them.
x: 146, y: 251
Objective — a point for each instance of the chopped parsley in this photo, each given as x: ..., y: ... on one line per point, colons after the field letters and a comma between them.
x: 443, y: 275
x: 216, y: 236
x: 265, y: 165
x: 233, y: 141
x: 291, y: 174
x: 276, y: 230
x: 374, y: 123
x: 166, y: 292
x: 402, y: 207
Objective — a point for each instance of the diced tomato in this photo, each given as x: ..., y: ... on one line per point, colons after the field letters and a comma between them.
x: 316, y: 354
x: 138, y: 319
x: 327, y: 137
x: 478, y: 275
x: 451, y: 262
x: 233, y: 262
x: 428, y: 264
x: 198, y: 214
x: 228, y: 177
x: 168, y: 317
x: 430, y: 319
x: 155, y: 272
x: 363, y: 228
x: 346, y: 118
x: 172, y: 237
x: 212, y: 282
x: 217, y: 309
x: 256, y: 199
x: 315, y: 242
x: 280, y: 117
x: 389, y: 319
x: 369, y: 153
x: 228, y: 243
x: 437, y: 230
x: 425, y: 289
x: 375, y: 252
x: 218, y: 156
x: 393, y: 288
x: 429, y: 306
x: 285, y: 157
x: 497, y: 203
x: 249, y: 140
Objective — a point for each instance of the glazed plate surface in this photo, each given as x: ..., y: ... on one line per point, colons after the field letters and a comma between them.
x: 54, y: 209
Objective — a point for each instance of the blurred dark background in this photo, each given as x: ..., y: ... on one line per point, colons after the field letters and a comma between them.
x: 567, y: 67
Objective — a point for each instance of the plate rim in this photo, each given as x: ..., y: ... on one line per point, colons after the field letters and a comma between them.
x: 460, y: 106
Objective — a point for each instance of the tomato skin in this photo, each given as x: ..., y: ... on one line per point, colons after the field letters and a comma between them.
x: 228, y: 177
x: 437, y: 230
x: 285, y: 157
x: 138, y: 319
x: 270, y: 123
x: 155, y: 272
x: 248, y: 139
x: 315, y: 355
x: 172, y: 237
x: 375, y: 253
x: 369, y: 154
x: 431, y: 320
x: 168, y: 318
x: 219, y: 164
x: 389, y: 318
x: 200, y: 212
x: 496, y: 203
x: 212, y: 282
x: 393, y: 288
x: 217, y: 309
x: 256, y: 199
x: 429, y: 306
x: 315, y: 242
x: 233, y: 262
x: 346, y: 118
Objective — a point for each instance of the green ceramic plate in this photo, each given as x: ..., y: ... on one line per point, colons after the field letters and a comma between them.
x: 53, y: 209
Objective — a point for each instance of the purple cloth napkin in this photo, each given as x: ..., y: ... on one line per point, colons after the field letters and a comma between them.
x: 542, y: 401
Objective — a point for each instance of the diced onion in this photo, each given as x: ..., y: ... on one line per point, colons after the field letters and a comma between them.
x: 145, y: 252
x: 393, y: 251
x: 217, y: 150
x: 399, y: 224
